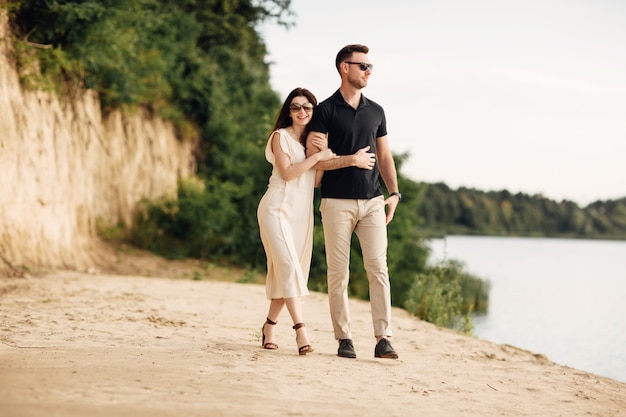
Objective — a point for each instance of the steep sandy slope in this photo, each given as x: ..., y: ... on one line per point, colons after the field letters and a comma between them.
x: 64, y: 166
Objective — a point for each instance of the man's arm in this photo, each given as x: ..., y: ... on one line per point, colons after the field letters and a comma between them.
x: 361, y: 159
x: 387, y: 169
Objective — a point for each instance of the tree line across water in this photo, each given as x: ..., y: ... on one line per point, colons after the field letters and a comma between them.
x: 500, y: 213
x: 201, y: 64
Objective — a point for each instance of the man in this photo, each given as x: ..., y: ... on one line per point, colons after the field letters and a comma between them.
x: 352, y: 200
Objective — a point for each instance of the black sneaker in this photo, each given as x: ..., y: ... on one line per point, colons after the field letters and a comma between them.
x: 384, y: 350
x: 346, y: 350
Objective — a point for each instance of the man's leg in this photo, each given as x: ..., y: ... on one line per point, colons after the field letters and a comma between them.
x: 372, y: 233
x: 338, y: 222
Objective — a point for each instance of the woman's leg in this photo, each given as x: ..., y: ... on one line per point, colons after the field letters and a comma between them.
x: 294, y: 306
x: 276, y: 306
x: 269, y: 339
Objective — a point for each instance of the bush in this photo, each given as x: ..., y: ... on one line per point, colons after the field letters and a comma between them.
x: 201, y: 222
x: 436, y: 296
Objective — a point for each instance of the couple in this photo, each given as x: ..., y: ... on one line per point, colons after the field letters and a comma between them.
x: 342, y: 146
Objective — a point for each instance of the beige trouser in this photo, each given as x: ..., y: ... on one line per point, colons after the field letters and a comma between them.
x: 366, y: 218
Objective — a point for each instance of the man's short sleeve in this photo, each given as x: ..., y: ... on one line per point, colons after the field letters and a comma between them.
x: 322, y: 114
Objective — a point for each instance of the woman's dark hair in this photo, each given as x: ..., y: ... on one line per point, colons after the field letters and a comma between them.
x: 283, y: 120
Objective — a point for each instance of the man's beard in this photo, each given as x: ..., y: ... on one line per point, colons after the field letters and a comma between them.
x: 358, y: 83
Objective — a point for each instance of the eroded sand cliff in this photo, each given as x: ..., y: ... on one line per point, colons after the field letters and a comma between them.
x: 64, y: 166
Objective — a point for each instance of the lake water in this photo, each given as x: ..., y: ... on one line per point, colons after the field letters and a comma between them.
x: 565, y: 298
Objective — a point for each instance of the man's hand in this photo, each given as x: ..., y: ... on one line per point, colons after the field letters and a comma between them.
x: 392, y: 202
x: 364, y: 159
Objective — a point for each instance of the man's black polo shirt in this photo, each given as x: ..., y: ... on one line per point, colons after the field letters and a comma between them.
x: 348, y: 131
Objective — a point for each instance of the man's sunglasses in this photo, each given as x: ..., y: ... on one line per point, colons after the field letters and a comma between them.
x: 295, y: 107
x: 364, y: 66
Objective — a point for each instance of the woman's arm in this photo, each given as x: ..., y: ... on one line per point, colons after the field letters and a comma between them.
x: 318, y: 177
x: 361, y: 159
x: 289, y: 171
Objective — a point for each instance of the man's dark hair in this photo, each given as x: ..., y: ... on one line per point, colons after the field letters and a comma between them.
x: 346, y: 52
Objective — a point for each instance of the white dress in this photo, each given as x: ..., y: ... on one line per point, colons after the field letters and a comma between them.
x: 285, y: 216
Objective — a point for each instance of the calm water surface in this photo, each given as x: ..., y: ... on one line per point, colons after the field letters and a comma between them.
x: 564, y: 298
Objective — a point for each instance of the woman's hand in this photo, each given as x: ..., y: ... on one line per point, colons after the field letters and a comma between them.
x: 320, y: 141
x: 327, y: 154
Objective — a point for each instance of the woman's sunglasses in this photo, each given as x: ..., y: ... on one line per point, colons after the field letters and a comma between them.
x: 295, y: 107
x: 364, y: 66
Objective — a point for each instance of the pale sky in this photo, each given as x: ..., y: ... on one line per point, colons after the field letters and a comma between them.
x: 527, y: 96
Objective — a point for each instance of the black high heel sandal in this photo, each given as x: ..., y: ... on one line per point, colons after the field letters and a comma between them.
x: 268, y: 345
x: 304, y: 349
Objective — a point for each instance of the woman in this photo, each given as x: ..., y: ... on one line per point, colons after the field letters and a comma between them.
x: 285, y: 215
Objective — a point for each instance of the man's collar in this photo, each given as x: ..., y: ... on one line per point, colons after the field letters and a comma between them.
x: 338, y: 98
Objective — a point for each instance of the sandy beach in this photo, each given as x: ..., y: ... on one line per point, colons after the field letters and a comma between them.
x: 101, y: 344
